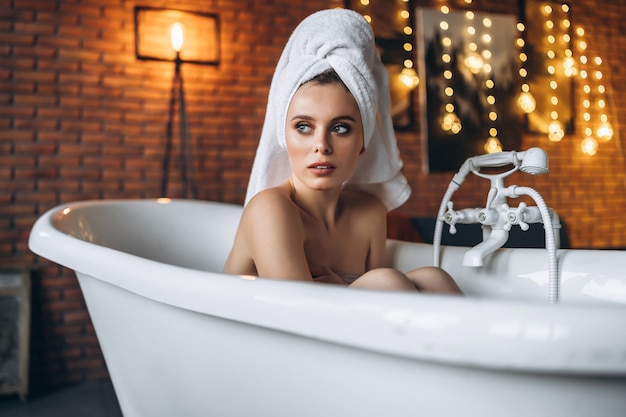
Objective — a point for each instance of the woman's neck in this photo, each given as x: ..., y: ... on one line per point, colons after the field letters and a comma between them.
x: 323, y: 205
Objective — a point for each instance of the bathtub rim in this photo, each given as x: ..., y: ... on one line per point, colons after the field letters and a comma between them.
x: 404, y: 327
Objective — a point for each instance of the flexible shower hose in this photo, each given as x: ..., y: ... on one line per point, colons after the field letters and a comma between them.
x: 553, y: 264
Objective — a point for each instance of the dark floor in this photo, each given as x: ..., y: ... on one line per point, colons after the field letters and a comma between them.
x: 90, y: 399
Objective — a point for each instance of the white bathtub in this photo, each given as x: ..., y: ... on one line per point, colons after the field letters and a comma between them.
x: 182, y: 339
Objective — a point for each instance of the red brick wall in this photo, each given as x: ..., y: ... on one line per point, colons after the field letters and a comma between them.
x: 81, y: 118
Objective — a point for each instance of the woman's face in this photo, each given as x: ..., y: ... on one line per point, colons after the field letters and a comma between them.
x: 324, y: 135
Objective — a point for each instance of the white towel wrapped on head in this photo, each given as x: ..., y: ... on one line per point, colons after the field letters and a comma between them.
x: 340, y: 39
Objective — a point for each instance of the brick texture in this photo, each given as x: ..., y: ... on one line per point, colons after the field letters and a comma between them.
x: 82, y: 118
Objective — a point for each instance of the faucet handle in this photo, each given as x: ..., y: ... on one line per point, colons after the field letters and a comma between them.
x: 451, y: 217
x: 466, y: 216
x: 523, y: 215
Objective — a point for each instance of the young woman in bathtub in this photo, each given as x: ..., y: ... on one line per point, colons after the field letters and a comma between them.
x: 323, y: 223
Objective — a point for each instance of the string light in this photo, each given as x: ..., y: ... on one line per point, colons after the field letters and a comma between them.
x: 555, y: 128
x: 473, y: 61
x: 560, y: 62
x: 569, y: 63
x: 492, y: 144
x: 525, y: 100
x: 407, y: 76
x: 593, y: 99
x: 450, y: 122
x: 605, y: 130
x: 366, y: 16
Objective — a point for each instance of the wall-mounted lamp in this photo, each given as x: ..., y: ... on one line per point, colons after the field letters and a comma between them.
x: 193, y: 39
x: 197, y: 35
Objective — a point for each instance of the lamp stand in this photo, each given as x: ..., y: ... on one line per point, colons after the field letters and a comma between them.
x: 186, y: 162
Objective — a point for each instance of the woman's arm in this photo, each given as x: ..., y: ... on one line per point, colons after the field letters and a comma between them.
x: 377, y: 223
x: 274, y: 234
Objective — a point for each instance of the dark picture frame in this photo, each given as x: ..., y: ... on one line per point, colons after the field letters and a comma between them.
x: 447, y: 149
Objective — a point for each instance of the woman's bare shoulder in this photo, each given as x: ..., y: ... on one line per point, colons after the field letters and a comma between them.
x: 269, y: 226
x: 271, y: 199
x: 270, y: 208
x: 361, y: 201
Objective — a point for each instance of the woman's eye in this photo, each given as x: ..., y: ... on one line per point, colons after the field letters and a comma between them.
x: 303, y: 128
x: 341, y: 129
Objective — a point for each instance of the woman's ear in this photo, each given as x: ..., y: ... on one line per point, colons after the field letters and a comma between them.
x: 362, y: 150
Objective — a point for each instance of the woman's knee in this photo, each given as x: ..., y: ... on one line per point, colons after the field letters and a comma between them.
x: 384, y: 279
x: 433, y: 279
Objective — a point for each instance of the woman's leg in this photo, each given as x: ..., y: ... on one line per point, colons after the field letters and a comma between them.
x: 426, y: 279
x: 384, y: 279
x: 433, y: 279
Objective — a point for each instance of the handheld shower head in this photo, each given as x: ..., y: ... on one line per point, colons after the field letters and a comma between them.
x: 531, y: 161
x: 534, y: 161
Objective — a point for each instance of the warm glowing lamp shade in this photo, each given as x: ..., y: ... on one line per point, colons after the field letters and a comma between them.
x: 177, y: 34
x: 162, y: 33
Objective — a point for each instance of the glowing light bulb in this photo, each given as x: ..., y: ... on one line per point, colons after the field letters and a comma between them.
x: 555, y: 131
x: 177, y: 36
x: 409, y: 78
x: 474, y: 62
x: 493, y: 145
x: 589, y: 146
x: 605, y: 132
x: 569, y: 66
x: 451, y: 123
x: 526, y: 102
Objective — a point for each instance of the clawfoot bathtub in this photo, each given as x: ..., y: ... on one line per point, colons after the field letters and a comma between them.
x: 182, y: 339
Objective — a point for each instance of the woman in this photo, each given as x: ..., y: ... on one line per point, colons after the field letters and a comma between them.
x: 327, y: 169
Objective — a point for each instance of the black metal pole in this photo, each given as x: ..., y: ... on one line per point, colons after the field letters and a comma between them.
x: 168, y: 140
x: 186, y: 161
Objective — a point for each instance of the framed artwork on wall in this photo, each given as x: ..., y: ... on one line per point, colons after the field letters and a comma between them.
x: 469, y: 85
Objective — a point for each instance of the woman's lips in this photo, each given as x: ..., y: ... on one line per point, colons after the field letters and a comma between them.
x: 321, y: 168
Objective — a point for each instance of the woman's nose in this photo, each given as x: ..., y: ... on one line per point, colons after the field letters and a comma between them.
x: 322, y: 145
